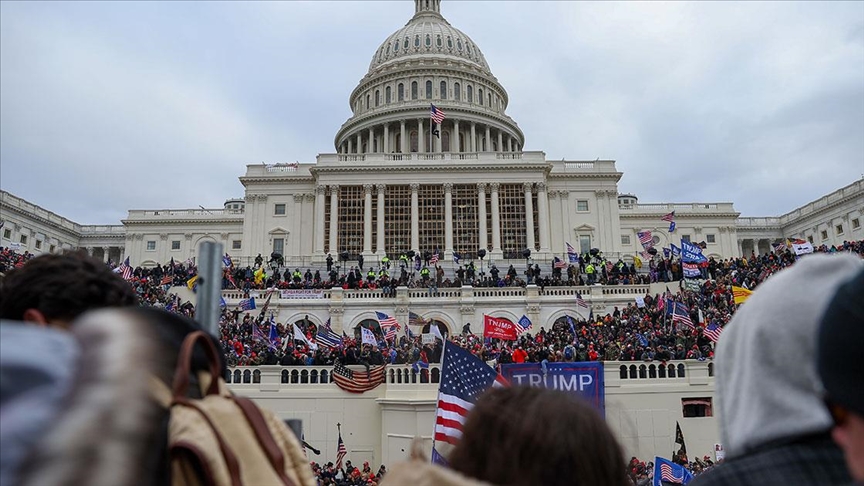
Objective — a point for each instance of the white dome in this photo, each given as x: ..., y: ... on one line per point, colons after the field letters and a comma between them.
x: 428, y: 35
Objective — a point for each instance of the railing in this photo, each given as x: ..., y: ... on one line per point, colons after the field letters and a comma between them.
x: 625, y: 289
x: 283, y: 167
x: 379, y: 157
x: 164, y: 213
x: 100, y: 230
x: 683, y: 207
x: 322, y: 376
x: 771, y: 223
x: 690, y: 370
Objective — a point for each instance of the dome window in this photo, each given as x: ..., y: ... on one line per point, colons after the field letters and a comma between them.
x: 406, y: 44
x: 443, y: 94
x: 459, y: 45
x: 400, y: 92
x: 387, y: 50
x: 396, y: 46
x: 438, y: 42
x: 480, y: 96
x: 387, y: 95
x: 457, y: 92
x: 413, y: 90
x: 470, y: 94
x: 417, y: 41
x: 428, y: 40
x: 428, y: 90
x: 468, y: 48
x: 449, y: 42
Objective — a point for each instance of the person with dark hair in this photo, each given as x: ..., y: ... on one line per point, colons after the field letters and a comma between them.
x: 52, y: 290
x: 525, y: 436
x: 840, y: 337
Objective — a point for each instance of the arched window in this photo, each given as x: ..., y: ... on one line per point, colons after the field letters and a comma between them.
x: 480, y: 95
x: 428, y: 90
x: 622, y: 372
x: 428, y: 40
x: 445, y: 141
x: 396, y: 46
x: 387, y: 95
x: 414, y: 143
x: 470, y: 96
x: 405, y: 45
x: 398, y: 143
x: 400, y: 92
x: 489, y: 97
x: 377, y: 97
x: 457, y: 93
x: 417, y: 40
x: 443, y: 94
x: 413, y: 90
x: 368, y: 102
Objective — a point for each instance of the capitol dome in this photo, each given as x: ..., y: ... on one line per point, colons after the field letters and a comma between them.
x: 428, y: 34
x: 428, y: 63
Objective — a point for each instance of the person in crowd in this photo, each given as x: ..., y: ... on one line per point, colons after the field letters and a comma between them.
x: 773, y: 424
x: 840, y: 368
x: 52, y: 290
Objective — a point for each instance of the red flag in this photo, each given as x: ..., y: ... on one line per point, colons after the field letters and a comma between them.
x: 499, y: 328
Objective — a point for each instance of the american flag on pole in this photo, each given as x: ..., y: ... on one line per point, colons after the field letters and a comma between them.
x: 669, y: 217
x: 126, y: 270
x: 416, y: 320
x: 357, y: 381
x: 436, y: 114
x: 667, y: 471
x: 524, y: 323
x: 645, y: 238
x: 326, y: 336
x: 433, y: 260
x: 571, y: 253
x: 559, y: 263
x: 386, y: 320
x: 712, y: 332
x: 463, y: 378
x: 680, y: 313
x: 580, y: 301
x: 341, y: 451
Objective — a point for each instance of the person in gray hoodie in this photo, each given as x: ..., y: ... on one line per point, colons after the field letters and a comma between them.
x: 773, y: 424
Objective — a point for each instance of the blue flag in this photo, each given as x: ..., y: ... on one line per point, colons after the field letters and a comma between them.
x: 667, y: 252
x: 643, y: 341
x: 691, y: 253
x: 419, y: 365
x: 571, y: 324
x: 669, y: 472
x: 672, y: 226
x: 525, y: 323
x: 675, y: 250
x: 417, y: 264
x: 274, y: 335
x: 456, y: 257
x: 247, y: 304
x: 222, y: 303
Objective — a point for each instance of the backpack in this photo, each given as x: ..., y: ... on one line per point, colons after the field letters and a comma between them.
x: 222, y: 439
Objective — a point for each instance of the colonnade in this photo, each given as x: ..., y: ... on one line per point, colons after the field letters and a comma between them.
x: 486, y: 192
x: 453, y: 137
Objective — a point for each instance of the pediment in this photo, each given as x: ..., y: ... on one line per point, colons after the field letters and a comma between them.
x: 278, y: 231
x: 585, y: 227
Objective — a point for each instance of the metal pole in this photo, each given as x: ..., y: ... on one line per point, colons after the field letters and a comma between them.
x: 209, y: 286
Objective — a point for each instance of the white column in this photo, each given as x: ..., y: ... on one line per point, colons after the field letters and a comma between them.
x: 473, y: 137
x: 415, y: 218
x: 105, y: 250
x: 334, y: 219
x: 448, y: 218
x: 386, y: 138
x: 565, y: 217
x: 455, y: 137
x: 488, y: 140
x: 421, y: 139
x: 543, y: 213
x: 481, y: 206
x: 367, y: 219
x: 350, y: 145
x: 437, y: 139
x: 403, y: 140
x: 529, y: 216
x: 359, y: 143
x: 500, y: 141
x: 380, y: 250
x: 496, y: 220
x: 370, y: 147
x: 319, y: 218
x: 556, y: 243
x: 509, y: 144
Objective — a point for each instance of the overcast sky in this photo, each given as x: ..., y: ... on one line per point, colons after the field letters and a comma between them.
x: 110, y: 106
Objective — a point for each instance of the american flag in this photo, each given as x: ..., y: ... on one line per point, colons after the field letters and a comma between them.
x: 559, y: 263
x: 386, y: 320
x: 680, y: 313
x: 326, y: 336
x: 712, y: 332
x: 126, y: 270
x: 436, y: 114
x: 571, y: 253
x: 416, y: 319
x: 166, y: 280
x: 669, y: 217
x: 463, y: 378
x: 341, y: 452
x: 645, y: 238
x: 257, y: 334
x: 668, y: 475
x: 433, y: 260
x: 357, y: 381
x: 580, y: 301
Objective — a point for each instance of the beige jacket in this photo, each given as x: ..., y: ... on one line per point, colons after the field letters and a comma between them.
x: 418, y: 471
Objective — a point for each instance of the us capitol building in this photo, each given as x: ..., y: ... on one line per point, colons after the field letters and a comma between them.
x: 395, y: 183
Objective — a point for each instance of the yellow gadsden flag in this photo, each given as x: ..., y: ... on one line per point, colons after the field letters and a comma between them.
x: 740, y: 294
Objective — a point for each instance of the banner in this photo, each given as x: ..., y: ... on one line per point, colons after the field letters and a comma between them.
x: 428, y: 338
x: 367, y: 337
x: 691, y: 285
x: 719, y: 452
x: 583, y: 379
x: 691, y: 270
x: 302, y: 294
x: 802, y: 248
x: 640, y: 301
x: 499, y: 328
x: 691, y: 253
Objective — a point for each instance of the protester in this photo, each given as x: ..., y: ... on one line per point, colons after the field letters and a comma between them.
x: 773, y: 424
x: 841, y: 335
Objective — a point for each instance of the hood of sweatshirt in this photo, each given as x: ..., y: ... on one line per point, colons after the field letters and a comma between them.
x: 767, y: 386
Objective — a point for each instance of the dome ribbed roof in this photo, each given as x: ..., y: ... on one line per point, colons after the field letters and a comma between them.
x: 428, y: 35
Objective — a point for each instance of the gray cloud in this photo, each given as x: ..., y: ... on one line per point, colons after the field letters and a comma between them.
x: 110, y: 106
